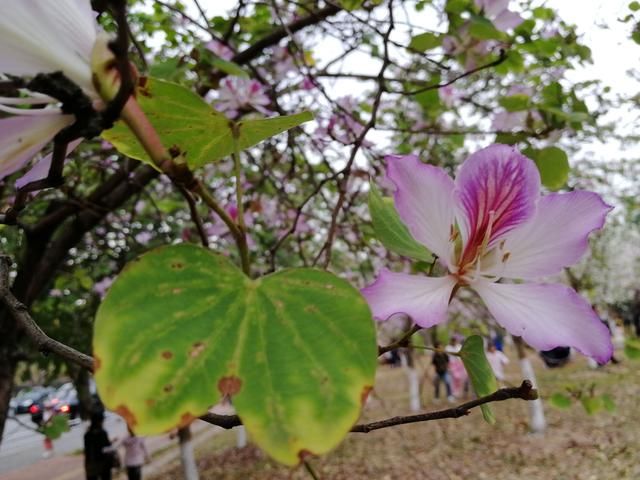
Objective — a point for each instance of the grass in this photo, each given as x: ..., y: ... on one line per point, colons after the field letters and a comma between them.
x: 576, y: 445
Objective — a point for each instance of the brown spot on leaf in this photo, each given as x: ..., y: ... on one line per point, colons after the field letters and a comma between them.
x: 150, y: 402
x: 127, y: 414
x: 97, y: 363
x: 229, y: 386
x: 311, y: 309
x: 167, y: 355
x: 186, y: 419
x: 196, y: 349
x: 328, y: 286
x: 177, y: 265
x: 365, y: 394
x: 167, y: 388
x: 176, y: 291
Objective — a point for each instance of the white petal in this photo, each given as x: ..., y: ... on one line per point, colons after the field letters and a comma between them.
x: 41, y: 169
x: 555, y: 238
x: 424, y: 200
x: 42, y: 36
x: 21, y: 138
x: 547, y: 316
x: 424, y: 299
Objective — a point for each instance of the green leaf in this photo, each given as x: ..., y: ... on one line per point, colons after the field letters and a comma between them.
x: 55, y: 427
x: 390, y: 229
x: 515, y: 103
x: 228, y: 67
x: 553, y: 164
x: 425, y: 41
x: 608, y: 403
x: 592, y: 404
x: 350, y: 4
x: 632, y: 348
x: 482, y: 29
x: 480, y: 373
x: 182, y: 327
x: 634, y: 6
x: 560, y: 400
x: 184, y: 120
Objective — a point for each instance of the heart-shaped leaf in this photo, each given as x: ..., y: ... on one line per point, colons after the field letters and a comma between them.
x: 181, y: 327
x: 390, y: 230
x: 184, y: 120
x: 480, y: 372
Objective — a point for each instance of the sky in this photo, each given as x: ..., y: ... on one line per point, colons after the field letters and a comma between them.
x: 598, y: 24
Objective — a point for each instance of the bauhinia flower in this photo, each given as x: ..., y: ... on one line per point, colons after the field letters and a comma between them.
x: 494, y: 232
x: 42, y: 36
x: 237, y: 95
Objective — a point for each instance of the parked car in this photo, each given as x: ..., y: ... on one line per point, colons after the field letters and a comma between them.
x: 64, y: 401
x: 28, y: 397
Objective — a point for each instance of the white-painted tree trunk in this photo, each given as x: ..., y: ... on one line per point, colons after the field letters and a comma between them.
x: 414, y: 381
x: 537, y: 421
x: 241, y: 437
x: 187, y: 456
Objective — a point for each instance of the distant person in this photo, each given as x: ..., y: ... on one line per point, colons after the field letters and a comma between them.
x: 459, y: 376
x: 497, y: 360
x: 440, y: 362
x: 135, y: 455
x: 98, y: 459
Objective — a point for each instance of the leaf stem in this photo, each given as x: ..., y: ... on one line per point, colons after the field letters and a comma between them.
x: 243, y: 247
x: 309, y: 469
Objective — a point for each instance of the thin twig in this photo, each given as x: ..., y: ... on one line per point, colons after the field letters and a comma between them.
x: 193, y: 210
x: 524, y: 392
x: 402, y: 342
x: 20, y: 313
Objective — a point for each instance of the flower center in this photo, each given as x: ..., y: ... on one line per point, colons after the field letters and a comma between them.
x: 478, y: 255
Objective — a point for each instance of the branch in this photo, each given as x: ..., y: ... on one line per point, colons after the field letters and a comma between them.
x: 21, y: 315
x: 501, y: 58
x: 402, y: 342
x: 524, y: 392
x: 278, y: 34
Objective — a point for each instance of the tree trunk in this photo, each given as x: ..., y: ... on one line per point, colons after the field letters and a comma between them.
x: 80, y: 378
x: 406, y: 358
x: 7, y: 374
x: 187, y: 457
x: 537, y: 421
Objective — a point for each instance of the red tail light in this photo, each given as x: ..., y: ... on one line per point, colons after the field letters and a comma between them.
x: 34, y: 409
x: 65, y: 409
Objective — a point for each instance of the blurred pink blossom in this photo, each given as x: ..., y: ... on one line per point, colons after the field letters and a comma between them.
x: 238, y: 95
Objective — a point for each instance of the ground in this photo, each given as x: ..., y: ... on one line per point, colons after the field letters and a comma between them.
x: 576, y: 445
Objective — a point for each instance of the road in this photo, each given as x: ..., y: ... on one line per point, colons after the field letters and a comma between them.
x: 22, y: 446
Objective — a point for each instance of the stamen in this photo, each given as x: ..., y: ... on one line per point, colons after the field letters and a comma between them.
x: 505, y: 257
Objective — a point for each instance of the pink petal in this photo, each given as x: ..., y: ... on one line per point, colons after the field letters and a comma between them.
x: 491, y: 8
x: 21, y: 138
x: 497, y: 190
x: 556, y: 237
x: 41, y: 169
x: 547, y: 316
x: 424, y: 299
x: 507, y: 20
x: 424, y: 199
